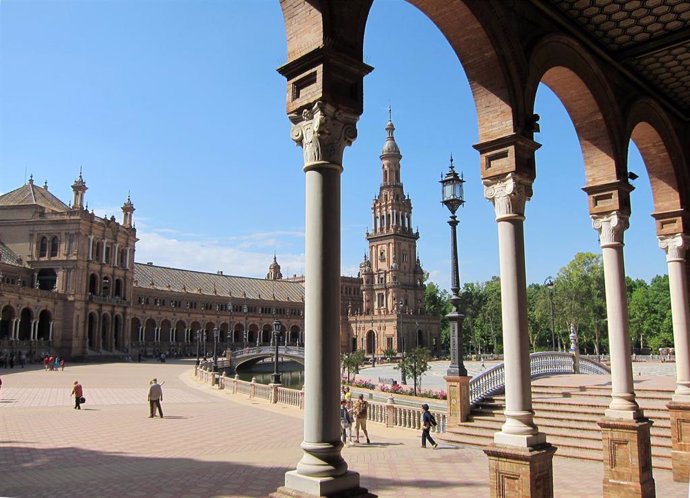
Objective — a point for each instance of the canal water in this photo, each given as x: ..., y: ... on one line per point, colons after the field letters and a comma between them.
x: 291, y: 374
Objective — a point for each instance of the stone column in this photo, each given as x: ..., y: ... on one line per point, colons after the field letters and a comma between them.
x: 625, y: 432
x: 323, y: 132
x: 509, y: 194
x: 675, y: 246
x: 611, y: 227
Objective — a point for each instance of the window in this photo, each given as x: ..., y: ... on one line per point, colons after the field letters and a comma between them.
x: 98, y: 251
x: 107, y: 254
x: 54, y: 244
x: 43, y: 247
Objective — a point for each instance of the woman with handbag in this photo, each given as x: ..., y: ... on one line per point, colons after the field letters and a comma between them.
x: 77, y: 392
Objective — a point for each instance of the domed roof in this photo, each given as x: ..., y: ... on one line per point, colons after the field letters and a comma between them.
x: 389, y: 146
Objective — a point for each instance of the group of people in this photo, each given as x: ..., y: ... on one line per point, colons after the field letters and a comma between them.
x: 9, y: 360
x: 155, y: 397
x: 357, y: 413
x: 353, y: 413
x: 53, y: 363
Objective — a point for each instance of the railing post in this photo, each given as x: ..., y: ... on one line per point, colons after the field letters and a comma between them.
x: 221, y: 380
x: 390, y: 411
x: 274, y: 393
x: 252, y: 388
x: 301, y: 399
x: 234, y: 383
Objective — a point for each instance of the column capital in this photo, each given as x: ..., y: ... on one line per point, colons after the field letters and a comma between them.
x: 674, y: 246
x: 610, y: 227
x: 323, y: 132
x: 508, y: 194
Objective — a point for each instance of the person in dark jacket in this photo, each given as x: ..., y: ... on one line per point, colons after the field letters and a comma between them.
x: 428, y: 421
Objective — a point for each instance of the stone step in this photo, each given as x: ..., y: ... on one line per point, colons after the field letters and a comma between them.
x: 584, y: 411
x: 598, y: 403
x: 567, y: 447
x: 651, y: 394
x: 565, y: 425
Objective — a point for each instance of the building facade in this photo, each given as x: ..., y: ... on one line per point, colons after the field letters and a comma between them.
x: 69, y: 285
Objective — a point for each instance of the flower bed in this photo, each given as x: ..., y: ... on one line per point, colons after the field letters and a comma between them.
x: 399, y: 389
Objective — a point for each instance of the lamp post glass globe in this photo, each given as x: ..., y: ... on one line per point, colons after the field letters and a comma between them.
x: 452, y: 190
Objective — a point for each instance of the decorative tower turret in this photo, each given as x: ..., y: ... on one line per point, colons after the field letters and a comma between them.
x: 395, y: 286
x: 127, y: 211
x: 274, y: 270
x: 79, y: 188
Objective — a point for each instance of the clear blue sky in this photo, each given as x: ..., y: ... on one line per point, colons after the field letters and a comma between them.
x: 179, y: 103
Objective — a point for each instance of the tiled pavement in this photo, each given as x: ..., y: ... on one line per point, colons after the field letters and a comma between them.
x: 210, y: 444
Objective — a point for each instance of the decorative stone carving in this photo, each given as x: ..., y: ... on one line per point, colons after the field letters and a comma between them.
x: 323, y: 132
x: 674, y: 246
x: 611, y: 227
x: 508, y: 195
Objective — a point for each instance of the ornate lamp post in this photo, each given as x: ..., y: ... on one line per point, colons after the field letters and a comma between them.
x: 198, y: 339
x: 231, y: 332
x: 216, y: 333
x: 275, y: 378
x: 245, y: 310
x: 550, y: 285
x: 456, y: 378
x: 452, y: 198
x: 403, y: 378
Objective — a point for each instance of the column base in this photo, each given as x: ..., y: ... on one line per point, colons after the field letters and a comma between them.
x: 627, y: 458
x: 520, y: 472
x: 458, y: 389
x: 299, y: 486
x: 680, y: 440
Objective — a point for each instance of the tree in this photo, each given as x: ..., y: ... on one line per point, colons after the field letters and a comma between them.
x: 579, y: 299
x: 488, y: 319
x: 414, y: 365
x: 351, y: 362
x: 437, y: 303
x: 650, y: 313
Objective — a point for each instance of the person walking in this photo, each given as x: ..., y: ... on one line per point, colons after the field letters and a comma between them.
x: 345, y: 422
x: 428, y: 421
x: 359, y: 410
x: 155, y: 398
x: 77, y: 392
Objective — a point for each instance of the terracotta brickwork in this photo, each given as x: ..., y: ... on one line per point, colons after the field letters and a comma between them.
x: 680, y: 440
x: 627, y: 458
x: 520, y: 472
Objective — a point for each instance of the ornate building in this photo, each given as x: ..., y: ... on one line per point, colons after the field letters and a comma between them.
x: 69, y: 285
x: 391, y: 313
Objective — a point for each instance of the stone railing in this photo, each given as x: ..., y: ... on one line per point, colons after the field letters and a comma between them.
x: 492, y: 381
x: 383, y: 413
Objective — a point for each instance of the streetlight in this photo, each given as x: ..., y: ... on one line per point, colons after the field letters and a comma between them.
x: 216, y: 333
x: 452, y: 197
x: 403, y: 378
x: 275, y: 378
x: 550, y: 285
x: 245, y: 310
x: 198, y: 339
x: 231, y: 332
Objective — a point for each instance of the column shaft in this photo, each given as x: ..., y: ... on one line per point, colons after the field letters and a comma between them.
x: 611, y: 228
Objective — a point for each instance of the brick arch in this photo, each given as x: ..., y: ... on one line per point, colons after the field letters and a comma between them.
x: 562, y: 65
x: 477, y: 36
x: 650, y: 128
x: 318, y: 28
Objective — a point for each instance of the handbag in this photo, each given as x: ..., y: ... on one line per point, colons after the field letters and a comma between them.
x: 82, y: 400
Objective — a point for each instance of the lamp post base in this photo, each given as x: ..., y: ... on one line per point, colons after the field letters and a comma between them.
x: 458, y: 392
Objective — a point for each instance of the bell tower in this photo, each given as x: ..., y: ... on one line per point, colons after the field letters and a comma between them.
x: 393, y: 280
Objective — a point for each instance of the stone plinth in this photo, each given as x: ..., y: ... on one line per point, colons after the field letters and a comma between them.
x: 516, y: 472
x: 627, y: 458
x: 680, y: 440
x: 458, y: 389
x: 299, y: 486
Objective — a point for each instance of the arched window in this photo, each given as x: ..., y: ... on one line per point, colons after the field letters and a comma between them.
x: 105, y: 289
x: 43, y: 247
x: 54, y: 244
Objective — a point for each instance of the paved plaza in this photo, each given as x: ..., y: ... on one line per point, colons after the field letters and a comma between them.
x: 210, y: 444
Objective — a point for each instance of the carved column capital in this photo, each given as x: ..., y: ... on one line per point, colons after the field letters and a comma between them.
x: 323, y: 132
x: 508, y: 194
x: 674, y: 246
x: 611, y: 227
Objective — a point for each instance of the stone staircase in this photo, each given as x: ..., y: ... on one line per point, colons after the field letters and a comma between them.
x: 568, y: 416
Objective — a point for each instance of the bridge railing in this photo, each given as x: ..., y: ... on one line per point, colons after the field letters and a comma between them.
x: 492, y: 381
